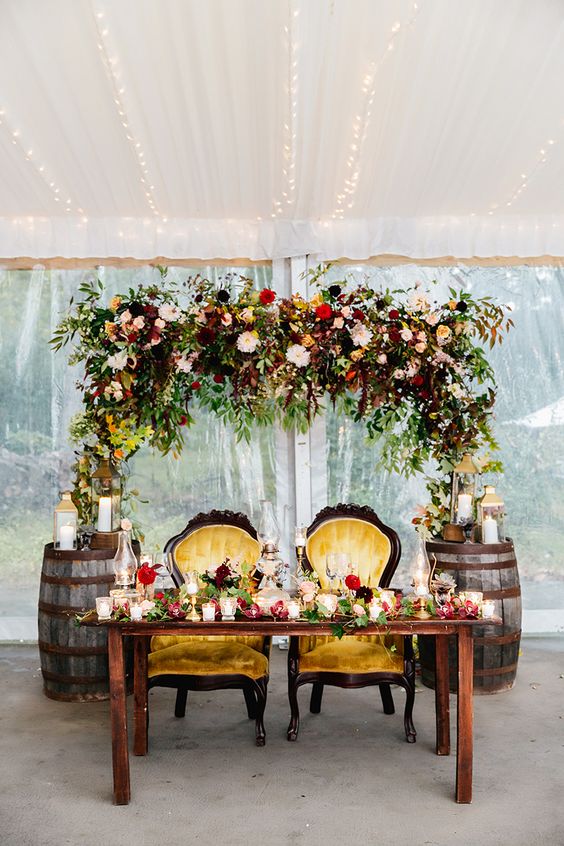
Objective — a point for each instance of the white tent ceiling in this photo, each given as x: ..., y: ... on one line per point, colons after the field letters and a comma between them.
x: 261, y: 128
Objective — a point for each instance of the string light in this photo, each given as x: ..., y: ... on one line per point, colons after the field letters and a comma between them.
x: 44, y: 173
x: 288, y: 193
x: 361, y: 122
x: 111, y: 66
x: 525, y: 179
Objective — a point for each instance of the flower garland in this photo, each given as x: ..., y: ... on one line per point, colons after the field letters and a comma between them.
x: 412, y: 369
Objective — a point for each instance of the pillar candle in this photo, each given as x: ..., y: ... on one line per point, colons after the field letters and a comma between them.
x: 489, y: 530
x: 105, y: 514
x: 208, y: 612
x: 464, y: 507
x: 67, y: 537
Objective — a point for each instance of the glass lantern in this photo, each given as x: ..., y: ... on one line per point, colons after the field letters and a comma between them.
x: 421, y: 571
x: 268, y: 531
x: 491, y: 511
x: 106, y: 498
x: 463, y: 495
x: 125, y: 562
x: 65, y: 523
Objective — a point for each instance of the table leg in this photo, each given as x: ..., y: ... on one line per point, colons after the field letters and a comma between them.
x: 118, y: 713
x: 464, y: 750
x: 141, y: 713
x: 442, y: 704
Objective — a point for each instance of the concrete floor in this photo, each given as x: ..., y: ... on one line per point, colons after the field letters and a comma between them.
x: 350, y: 778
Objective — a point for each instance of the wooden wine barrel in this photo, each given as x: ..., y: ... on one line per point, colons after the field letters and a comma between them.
x: 74, y: 660
x: 492, y: 569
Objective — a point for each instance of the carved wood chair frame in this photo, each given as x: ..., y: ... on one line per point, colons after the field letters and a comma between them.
x: 254, y: 690
x: 354, y: 680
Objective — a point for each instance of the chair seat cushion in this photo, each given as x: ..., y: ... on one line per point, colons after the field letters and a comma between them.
x: 350, y: 656
x: 164, y: 641
x: 206, y: 658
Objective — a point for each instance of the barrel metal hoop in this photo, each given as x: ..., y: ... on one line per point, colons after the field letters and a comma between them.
x: 78, y: 581
x: 499, y: 639
x: 503, y: 593
x: 84, y: 680
x: 497, y: 671
x: 85, y: 651
x: 504, y: 561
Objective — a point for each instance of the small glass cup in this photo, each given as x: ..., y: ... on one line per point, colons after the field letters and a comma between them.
x: 104, y: 607
x: 228, y: 605
x: 475, y: 596
x: 336, y: 566
x: 208, y: 612
x: 293, y: 609
x: 488, y: 609
x: 135, y: 610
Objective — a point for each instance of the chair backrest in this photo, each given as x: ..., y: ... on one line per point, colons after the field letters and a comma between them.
x: 209, y: 538
x: 356, y: 529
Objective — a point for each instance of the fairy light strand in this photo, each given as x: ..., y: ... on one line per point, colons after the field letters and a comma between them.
x: 525, y: 179
x: 110, y: 64
x: 346, y: 196
x: 288, y: 194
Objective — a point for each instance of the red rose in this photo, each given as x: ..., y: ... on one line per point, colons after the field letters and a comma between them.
x: 324, y: 311
x: 159, y: 595
x: 394, y: 336
x: 394, y: 314
x: 219, y: 378
x: 358, y: 314
x: 241, y: 603
x: 417, y: 380
x: 133, y: 337
x: 183, y: 420
x: 147, y: 574
x: 424, y: 395
x: 352, y: 582
x: 196, y: 385
x: 151, y: 311
x: 222, y: 572
x: 267, y: 296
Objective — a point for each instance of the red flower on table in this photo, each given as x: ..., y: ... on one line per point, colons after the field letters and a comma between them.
x: 196, y: 385
x: 206, y: 336
x: 221, y: 573
x: 468, y: 609
x: 159, y: 595
x: 358, y: 314
x: 394, y: 335
x: 253, y: 612
x: 446, y: 611
x: 352, y: 582
x: 219, y: 378
x: 176, y: 611
x: 241, y: 603
x: 393, y: 314
x: 365, y: 593
x: 324, y: 311
x: 417, y: 380
x: 147, y: 573
x: 279, y: 610
x: 267, y: 296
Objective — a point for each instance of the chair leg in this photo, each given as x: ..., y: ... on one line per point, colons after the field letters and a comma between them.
x: 250, y: 702
x: 410, y: 733
x: 316, y: 697
x: 260, y: 689
x: 181, y: 697
x: 387, y: 698
x: 294, y: 726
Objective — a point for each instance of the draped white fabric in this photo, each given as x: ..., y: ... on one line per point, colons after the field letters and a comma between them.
x: 245, y: 128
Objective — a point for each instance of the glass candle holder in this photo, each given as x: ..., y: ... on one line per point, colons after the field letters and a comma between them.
x: 104, y: 607
x: 228, y: 606
x: 208, y: 612
x: 293, y: 610
x: 475, y: 596
x: 135, y: 610
x: 488, y: 609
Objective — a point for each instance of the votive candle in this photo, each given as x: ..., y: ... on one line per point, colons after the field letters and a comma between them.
x: 104, y: 607
x: 208, y: 612
x: 136, y: 613
x: 293, y: 609
x: 488, y: 609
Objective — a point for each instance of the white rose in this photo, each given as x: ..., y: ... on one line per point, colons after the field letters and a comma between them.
x: 418, y: 302
x: 338, y: 323
x: 406, y: 334
x: 247, y: 342
x: 125, y: 317
x: 382, y: 358
x: 345, y: 311
x: 361, y: 336
x: 169, y: 312
x: 420, y: 347
x: 146, y: 606
x: 159, y: 322
x: 398, y: 374
x: 358, y: 610
x: 432, y: 319
x: 126, y: 524
x: 118, y: 361
x: 139, y: 322
x: 247, y: 315
x: 184, y: 364
x: 226, y: 319
x: 456, y: 390
x: 298, y: 355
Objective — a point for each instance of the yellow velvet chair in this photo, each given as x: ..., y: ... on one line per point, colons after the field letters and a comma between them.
x: 210, y: 662
x: 355, y: 661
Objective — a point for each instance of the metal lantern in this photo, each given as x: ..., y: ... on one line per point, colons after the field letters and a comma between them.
x: 65, y: 523
x: 491, y: 511
x: 106, y: 498
x: 463, y: 495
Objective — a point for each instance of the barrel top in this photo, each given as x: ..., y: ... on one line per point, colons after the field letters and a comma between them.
x: 81, y: 554
x: 468, y: 548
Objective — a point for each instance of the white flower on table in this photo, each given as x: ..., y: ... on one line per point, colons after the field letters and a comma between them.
x: 406, y: 334
x: 432, y: 319
x: 139, y: 322
x: 125, y: 317
x: 361, y: 336
x: 184, y: 363
x: 456, y: 390
x: 247, y: 342
x: 418, y: 302
x: 115, y: 390
x: 160, y: 323
x: 382, y: 358
x: 298, y: 355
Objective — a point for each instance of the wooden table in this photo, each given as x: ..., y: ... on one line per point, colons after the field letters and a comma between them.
x: 141, y: 632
